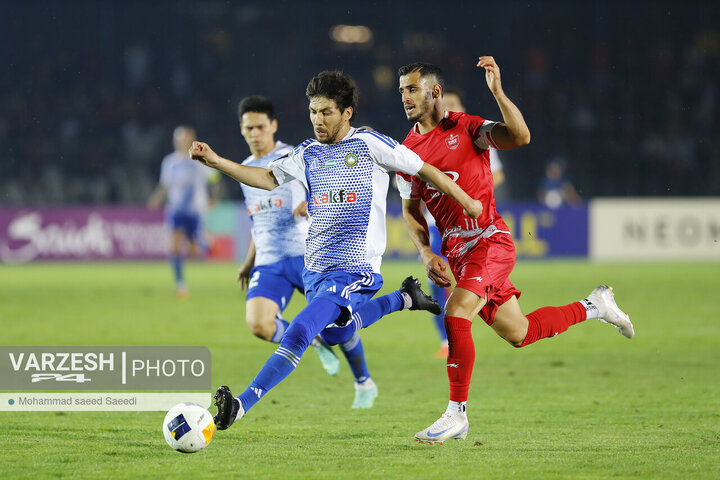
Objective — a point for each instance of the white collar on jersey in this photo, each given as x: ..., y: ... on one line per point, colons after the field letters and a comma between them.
x: 350, y: 133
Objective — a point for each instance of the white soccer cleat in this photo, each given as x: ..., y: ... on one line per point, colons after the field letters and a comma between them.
x: 365, y: 394
x: 449, y: 425
x: 608, y: 311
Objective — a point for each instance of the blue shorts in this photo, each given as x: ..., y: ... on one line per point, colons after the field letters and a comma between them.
x: 188, y: 223
x: 277, y: 281
x: 349, y: 291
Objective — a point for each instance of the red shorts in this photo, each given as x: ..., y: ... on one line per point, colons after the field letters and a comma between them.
x: 485, y: 271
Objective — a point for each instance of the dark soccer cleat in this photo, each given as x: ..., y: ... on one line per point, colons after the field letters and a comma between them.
x: 420, y: 301
x: 229, y: 408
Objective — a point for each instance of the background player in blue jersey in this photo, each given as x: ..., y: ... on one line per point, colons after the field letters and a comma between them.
x: 345, y: 172
x: 184, y: 189
x: 274, y: 264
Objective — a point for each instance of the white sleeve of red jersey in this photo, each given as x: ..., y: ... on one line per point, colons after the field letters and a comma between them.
x: 290, y: 167
x: 495, y: 162
x: 406, y: 187
x: 483, y: 139
x: 391, y: 155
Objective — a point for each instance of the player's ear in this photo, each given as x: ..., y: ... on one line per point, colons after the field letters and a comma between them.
x: 274, y: 125
x: 437, y: 91
x: 347, y: 113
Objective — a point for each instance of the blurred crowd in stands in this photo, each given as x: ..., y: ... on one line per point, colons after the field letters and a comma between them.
x: 90, y: 92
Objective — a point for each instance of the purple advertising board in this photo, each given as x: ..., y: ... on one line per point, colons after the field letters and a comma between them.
x: 82, y: 233
x: 539, y: 231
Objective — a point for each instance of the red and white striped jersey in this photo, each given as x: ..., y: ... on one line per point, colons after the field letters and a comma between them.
x: 458, y: 146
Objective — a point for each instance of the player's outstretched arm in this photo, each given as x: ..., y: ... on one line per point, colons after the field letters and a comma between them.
x: 513, y: 132
x: 435, y: 266
x: 252, y: 176
x: 436, y: 178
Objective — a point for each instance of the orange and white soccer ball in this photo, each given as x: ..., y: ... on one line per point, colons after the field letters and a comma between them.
x: 188, y: 427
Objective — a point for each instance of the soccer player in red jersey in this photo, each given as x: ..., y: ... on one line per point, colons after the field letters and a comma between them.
x: 480, y: 251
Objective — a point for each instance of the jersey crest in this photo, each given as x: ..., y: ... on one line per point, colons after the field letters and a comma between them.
x: 351, y: 159
x: 452, y: 142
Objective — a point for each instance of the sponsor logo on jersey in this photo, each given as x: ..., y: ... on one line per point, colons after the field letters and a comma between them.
x: 351, y: 159
x: 335, y: 196
x: 449, y: 173
x: 265, y: 205
x: 452, y: 142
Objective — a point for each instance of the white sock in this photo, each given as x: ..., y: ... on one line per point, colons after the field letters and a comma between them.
x: 407, y: 300
x: 591, y: 309
x: 456, y: 407
x: 365, y: 385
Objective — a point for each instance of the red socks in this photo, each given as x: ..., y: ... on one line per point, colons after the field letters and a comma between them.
x: 542, y: 323
x: 549, y: 321
x: 461, y: 357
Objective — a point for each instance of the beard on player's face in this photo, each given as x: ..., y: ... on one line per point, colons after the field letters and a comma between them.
x: 328, y: 133
x: 420, y: 109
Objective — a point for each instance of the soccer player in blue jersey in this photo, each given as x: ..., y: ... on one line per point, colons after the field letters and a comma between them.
x: 274, y: 264
x: 345, y: 172
x: 184, y: 189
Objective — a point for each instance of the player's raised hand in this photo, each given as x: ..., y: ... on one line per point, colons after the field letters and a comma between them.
x: 202, y: 152
x: 492, y: 73
x: 436, y: 269
x: 474, y: 210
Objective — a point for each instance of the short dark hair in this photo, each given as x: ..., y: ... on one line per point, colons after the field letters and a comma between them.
x: 337, y: 86
x: 455, y: 91
x: 256, y: 104
x: 425, y: 69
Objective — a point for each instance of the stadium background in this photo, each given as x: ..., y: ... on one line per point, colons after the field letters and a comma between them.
x: 626, y: 92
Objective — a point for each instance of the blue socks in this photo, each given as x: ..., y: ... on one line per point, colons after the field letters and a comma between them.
x: 366, y: 315
x: 280, y: 327
x: 176, y: 262
x: 355, y: 355
x: 309, y: 322
x: 438, y: 293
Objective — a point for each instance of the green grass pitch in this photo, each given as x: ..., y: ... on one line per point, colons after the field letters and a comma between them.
x: 588, y: 404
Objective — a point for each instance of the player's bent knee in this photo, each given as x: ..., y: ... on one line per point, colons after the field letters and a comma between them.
x: 260, y: 329
x: 297, y: 337
x: 515, y: 337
